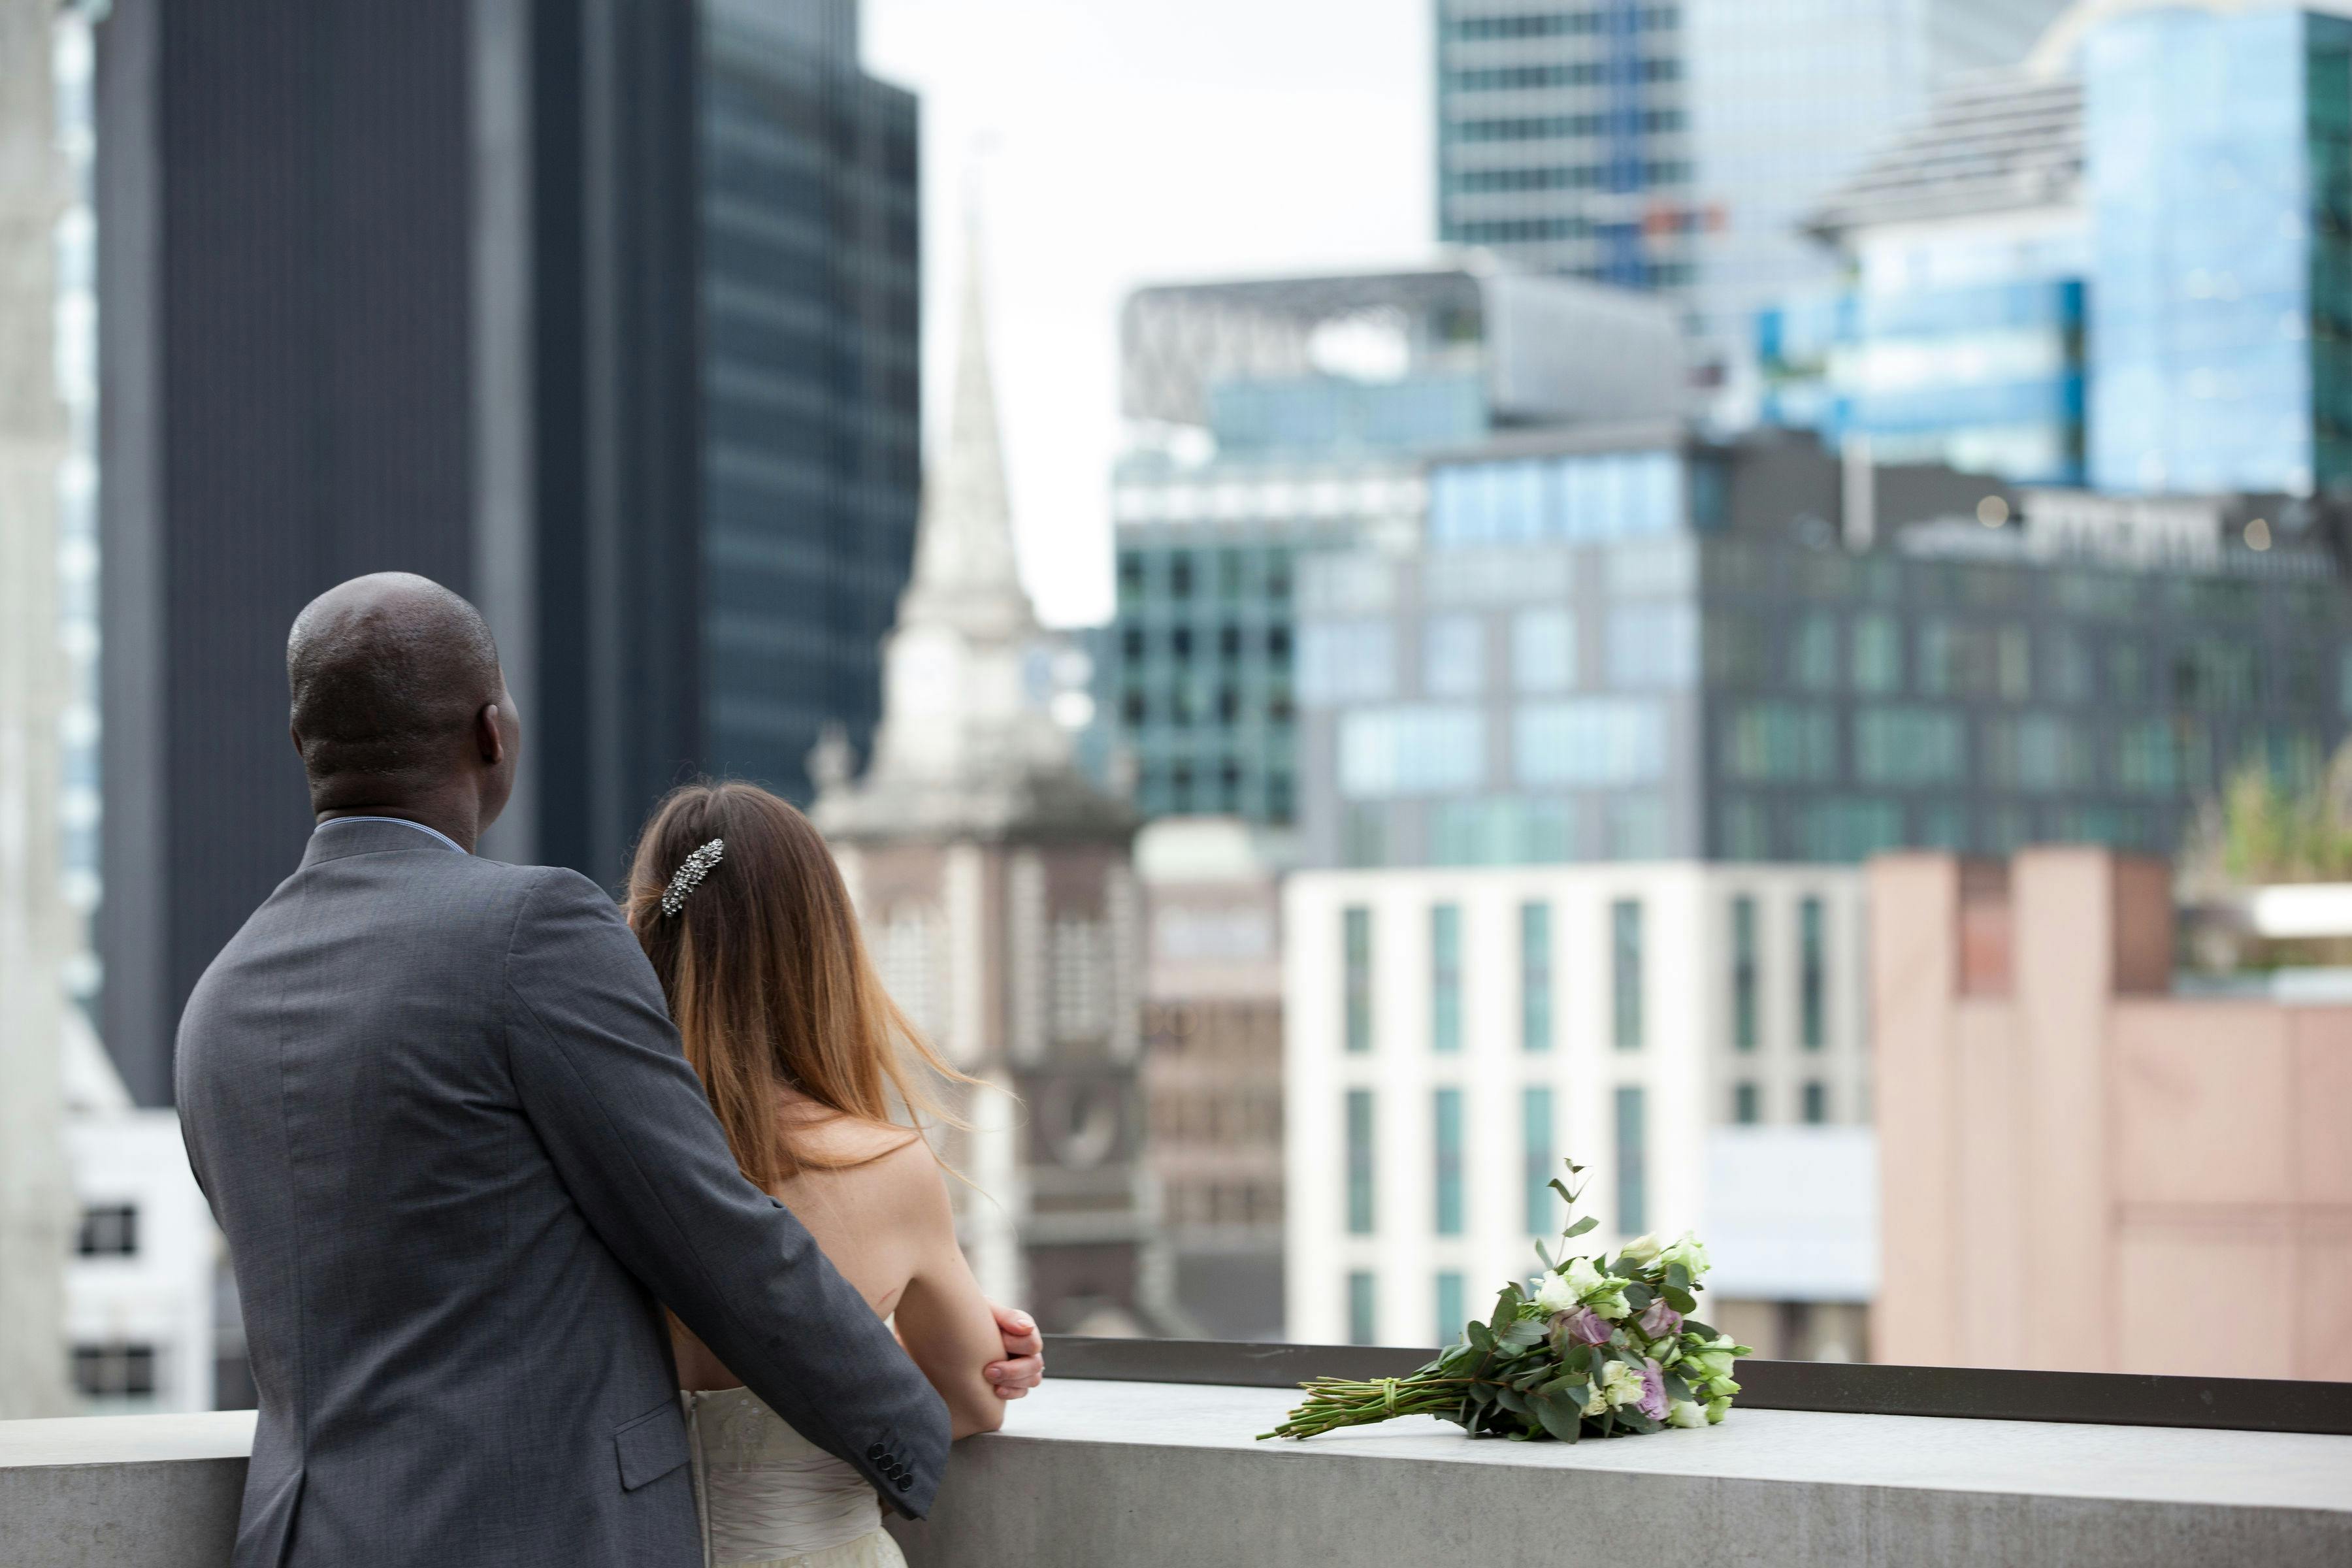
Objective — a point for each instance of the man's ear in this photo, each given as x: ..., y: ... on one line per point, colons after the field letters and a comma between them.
x: 488, y: 738
x: 296, y: 736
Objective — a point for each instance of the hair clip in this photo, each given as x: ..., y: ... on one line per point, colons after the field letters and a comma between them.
x: 689, y: 875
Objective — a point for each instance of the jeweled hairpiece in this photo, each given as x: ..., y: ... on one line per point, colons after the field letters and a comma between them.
x: 689, y: 875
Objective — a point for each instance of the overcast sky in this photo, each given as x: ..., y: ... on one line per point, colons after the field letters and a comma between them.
x: 1126, y: 141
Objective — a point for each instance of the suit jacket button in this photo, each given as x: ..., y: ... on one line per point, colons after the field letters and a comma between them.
x: 904, y: 1482
x: 874, y: 1451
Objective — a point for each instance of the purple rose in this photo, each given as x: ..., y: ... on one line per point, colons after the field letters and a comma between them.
x: 1585, y: 1326
x: 1654, y: 1404
x: 1659, y: 1321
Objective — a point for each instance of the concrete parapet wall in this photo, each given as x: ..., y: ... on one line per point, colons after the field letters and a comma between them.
x: 1110, y: 1473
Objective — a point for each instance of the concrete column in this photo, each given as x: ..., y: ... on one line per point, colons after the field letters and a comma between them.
x: 35, y: 1204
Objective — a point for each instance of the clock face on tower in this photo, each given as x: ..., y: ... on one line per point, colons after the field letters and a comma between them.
x: 923, y: 675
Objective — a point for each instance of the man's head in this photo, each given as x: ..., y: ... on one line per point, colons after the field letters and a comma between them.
x: 398, y: 701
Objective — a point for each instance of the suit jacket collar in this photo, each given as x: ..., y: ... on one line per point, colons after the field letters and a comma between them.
x: 339, y: 840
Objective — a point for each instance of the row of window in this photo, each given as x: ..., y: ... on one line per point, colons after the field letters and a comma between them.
x: 1532, y: 230
x: 1813, y: 974
x: 1902, y: 746
x: 1181, y: 705
x: 1747, y: 1103
x: 1535, y: 998
x: 1644, y: 646
x: 1541, y: 1213
x: 1433, y: 749
x: 1179, y: 789
x: 1233, y: 643
x: 1234, y: 573
x: 1552, y: 176
x: 1819, y: 651
x: 1561, y: 24
x: 1565, y: 73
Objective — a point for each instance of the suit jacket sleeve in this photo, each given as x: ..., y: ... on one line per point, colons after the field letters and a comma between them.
x: 599, y: 1073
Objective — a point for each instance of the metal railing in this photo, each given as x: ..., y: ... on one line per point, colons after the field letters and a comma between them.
x: 1852, y: 1388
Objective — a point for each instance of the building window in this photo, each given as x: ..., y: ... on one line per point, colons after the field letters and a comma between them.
x: 1083, y: 963
x: 1817, y: 1103
x: 1877, y: 654
x: 1360, y: 1161
x: 1625, y: 973
x: 1453, y: 656
x: 1357, y: 925
x: 1535, y: 977
x: 108, y: 1230
x: 1180, y: 577
x: 1360, y: 1327
x: 1537, y: 1160
x: 1581, y: 741
x: 1405, y: 750
x: 1632, y: 1187
x: 1543, y: 650
x: 1746, y: 1106
x: 1448, y: 1133
x: 1453, y: 1306
x: 1743, y: 973
x: 1812, y: 976
x: 1445, y: 978
x: 113, y: 1371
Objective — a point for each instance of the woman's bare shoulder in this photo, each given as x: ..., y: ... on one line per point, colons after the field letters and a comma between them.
x: 847, y: 1143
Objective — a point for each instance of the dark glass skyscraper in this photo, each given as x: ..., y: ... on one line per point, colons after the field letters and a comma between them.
x: 602, y: 315
x: 810, y: 446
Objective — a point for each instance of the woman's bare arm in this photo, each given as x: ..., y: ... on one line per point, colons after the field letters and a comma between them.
x: 946, y: 1324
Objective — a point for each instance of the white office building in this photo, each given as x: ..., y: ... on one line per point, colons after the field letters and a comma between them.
x: 1452, y: 1033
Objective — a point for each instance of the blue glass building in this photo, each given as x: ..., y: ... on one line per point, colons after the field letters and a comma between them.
x: 2221, y: 274
x: 1957, y: 335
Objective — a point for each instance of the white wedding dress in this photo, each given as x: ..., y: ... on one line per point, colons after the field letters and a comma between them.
x: 772, y: 1498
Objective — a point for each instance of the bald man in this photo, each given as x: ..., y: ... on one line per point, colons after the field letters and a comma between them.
x: 444, y: 1120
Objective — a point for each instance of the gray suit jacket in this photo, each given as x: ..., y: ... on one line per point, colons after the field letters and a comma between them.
x: 445, y: 1123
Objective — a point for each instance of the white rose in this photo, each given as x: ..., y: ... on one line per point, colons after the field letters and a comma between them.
x: 1556, y: 1295
x: 1687, y: 1252
x: 1686, y: 1413
x: 1612, y: 1307
x: 1582, y: 1277
x: 1599, y: 1403
x: 1643, y: 1248
x: 1623, y: 1384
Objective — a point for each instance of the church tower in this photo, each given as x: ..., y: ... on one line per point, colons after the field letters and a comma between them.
x: 998, y: 896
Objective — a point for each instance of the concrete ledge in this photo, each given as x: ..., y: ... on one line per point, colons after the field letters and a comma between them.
x: 1095, y: 1473
x: 122, y: 1491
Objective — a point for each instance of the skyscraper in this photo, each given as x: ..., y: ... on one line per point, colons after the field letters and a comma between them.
x: 810, y: 382
x: 603, y: 316
x: 2219, y: 146
x: 1676, y: 146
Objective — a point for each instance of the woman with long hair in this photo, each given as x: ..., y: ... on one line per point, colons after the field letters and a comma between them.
x: 809, y: 1065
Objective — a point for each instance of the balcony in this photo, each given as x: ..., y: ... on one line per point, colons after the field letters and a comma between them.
x: 1157, y: 1466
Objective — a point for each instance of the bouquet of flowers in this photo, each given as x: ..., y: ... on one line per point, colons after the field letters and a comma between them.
x: 1590, y: 1348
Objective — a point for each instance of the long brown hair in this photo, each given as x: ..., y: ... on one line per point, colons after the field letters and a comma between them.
x: 768, y: 981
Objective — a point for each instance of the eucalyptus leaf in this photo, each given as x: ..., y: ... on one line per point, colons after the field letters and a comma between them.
x: 1638, y: 1296
x: 1581, y: 1226
x: 1481, y: 1338
x: 1693, y: 1326
x: 1521, y: 1333
x: 1681, y: 1300
x: 1678, y: 1276
x: 1559, y: 1418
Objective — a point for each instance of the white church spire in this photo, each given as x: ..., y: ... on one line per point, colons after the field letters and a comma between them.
x: 965, y: 559
x: 965, y: 744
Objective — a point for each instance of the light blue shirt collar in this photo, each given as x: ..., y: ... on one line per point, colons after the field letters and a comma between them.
x: 434, y: 834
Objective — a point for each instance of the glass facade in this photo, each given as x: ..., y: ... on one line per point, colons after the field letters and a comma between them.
x: 1539, y: 1160
x: 1816, y: 1103
x: 1812, y: 975
x: 1742, y: 696
x: 1446, y: 1204
x: 1535, y: 977
x: 1593, y: 497
x: 2218, y: 148
x: 1360, y: 1169
x: 1362, y: 1305
x: 1453, y: 1306
x: 1633, y: 1163
x: 1626, y: 969
x: 1743, y: 973
x: 1446, y: 979
x: 811, y: 447
x: 1356, y: 950
x: 1746, y: 1106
